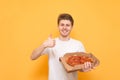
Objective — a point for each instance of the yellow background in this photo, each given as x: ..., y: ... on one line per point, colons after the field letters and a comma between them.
x: 25, y: 24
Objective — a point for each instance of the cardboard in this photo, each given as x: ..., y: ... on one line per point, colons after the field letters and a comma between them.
x: 78, y: 67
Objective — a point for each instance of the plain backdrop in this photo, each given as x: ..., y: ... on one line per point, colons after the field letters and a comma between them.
x: 25, y: 24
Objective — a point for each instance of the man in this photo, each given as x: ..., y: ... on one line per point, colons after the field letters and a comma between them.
x: 57, y: 47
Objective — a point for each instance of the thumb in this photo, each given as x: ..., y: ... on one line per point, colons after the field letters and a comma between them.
x: 50, y: 36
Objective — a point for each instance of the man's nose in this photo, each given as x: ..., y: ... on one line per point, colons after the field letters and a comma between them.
x: 64, y: 27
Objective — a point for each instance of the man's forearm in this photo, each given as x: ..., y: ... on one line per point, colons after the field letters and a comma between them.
x: 37, y: 52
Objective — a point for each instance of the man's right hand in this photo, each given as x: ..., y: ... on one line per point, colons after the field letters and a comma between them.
x: 49, y: 43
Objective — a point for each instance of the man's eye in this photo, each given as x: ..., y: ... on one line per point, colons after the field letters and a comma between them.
x: 62, y: 24
x: 67, y: 25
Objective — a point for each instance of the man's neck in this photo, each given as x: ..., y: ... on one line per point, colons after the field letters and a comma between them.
x: 64, y: 38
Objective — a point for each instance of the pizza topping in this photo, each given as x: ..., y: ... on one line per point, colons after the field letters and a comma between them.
x: 77, y: 60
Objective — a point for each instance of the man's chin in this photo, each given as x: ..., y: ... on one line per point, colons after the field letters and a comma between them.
x: 64, y: 35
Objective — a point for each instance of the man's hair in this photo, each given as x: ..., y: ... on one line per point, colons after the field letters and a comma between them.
x: 65, y: 16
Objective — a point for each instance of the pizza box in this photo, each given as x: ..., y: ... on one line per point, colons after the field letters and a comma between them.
x: 69, y: 68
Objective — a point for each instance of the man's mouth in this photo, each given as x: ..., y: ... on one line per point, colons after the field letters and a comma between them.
x: 64, y: 31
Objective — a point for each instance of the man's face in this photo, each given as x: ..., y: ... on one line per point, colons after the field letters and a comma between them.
x: 65, y: 27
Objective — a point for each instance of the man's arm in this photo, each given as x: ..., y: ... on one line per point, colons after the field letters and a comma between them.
x: 37, y: 52
x: 47, y: 44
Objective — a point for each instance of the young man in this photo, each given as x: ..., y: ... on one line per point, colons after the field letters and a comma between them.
x: 57, y: 47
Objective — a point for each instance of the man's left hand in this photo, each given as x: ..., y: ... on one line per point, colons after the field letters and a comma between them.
x: 87, y: 67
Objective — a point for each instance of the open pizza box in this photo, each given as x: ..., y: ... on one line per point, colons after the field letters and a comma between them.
x: 69, y: 68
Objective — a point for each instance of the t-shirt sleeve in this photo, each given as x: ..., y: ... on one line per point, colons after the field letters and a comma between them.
x: 81, y: 47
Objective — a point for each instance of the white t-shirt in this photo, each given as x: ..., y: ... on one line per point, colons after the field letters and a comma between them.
x: 56, y: 69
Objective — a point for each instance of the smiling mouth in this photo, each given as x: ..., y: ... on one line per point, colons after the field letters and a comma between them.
x: 64, y: 31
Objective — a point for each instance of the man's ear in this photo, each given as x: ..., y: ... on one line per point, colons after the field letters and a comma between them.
x: 72, y: 27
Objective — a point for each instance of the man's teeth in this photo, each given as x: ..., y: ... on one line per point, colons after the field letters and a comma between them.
x: 64, y: 31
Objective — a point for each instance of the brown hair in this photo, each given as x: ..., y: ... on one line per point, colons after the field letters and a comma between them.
x: 65, y: 16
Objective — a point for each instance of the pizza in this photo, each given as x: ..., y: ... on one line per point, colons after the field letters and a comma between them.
x: 77, y: 60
